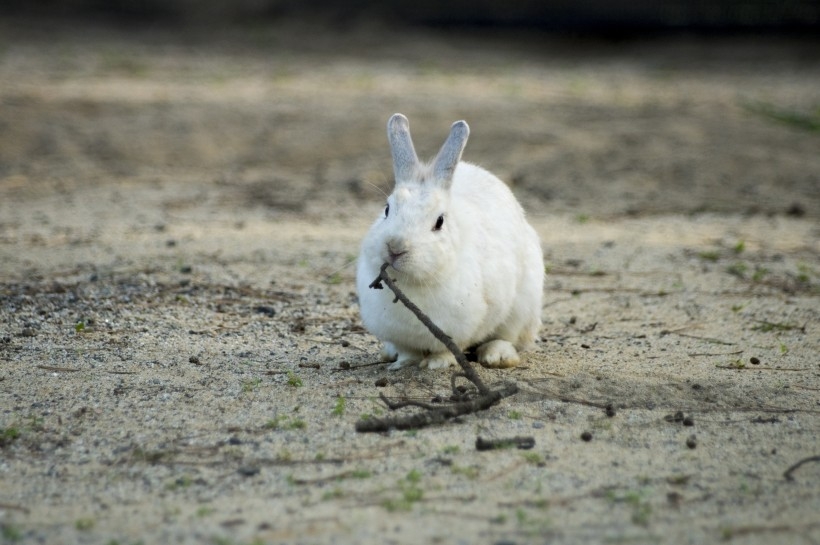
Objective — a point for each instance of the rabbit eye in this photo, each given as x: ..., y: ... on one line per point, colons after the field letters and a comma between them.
x: 439, y: 223
x: 387, y: 210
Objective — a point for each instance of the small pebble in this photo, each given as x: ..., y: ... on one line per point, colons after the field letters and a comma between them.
x: 248, y: 471
x: 194, y: 360
x: 688, y: 421
x: 382, y: 382
x: 266, y: 310
x: 796, y: 210
x: 754, y: 361
x: 692, y: 441
x: 610, y: 410
x: 674, y: 498
x: 586, y: 436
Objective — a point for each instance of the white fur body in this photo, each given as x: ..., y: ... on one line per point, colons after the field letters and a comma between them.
x: 479, y: 277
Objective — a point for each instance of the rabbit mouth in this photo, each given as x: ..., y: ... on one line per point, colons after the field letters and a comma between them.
x: 396, y: 259
x: 396, y: 253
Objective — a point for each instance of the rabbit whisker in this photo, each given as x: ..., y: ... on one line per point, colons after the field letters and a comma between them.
x: 377, y: 188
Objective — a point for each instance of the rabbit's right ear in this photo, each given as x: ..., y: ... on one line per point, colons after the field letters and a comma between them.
x: 405, y: 159
x: 450, y: 154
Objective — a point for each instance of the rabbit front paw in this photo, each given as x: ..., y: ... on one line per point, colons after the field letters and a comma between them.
x: 498, y: 353
x: 442, y: 360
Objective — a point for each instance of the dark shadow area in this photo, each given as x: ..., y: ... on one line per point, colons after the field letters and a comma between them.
x: 589, y: 16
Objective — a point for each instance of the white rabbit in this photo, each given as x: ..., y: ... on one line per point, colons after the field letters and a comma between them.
x: 459, y: 247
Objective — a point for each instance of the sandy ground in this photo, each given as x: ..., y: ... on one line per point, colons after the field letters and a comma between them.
x: 181, y: 357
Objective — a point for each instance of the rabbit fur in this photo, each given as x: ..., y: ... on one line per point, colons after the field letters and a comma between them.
x: 460, y: 247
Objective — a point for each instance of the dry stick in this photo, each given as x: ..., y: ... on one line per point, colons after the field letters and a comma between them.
x: 59, y: 369
x: 445, y: 339
x: 698, y: 354
x: 14, y: 506
x: 523, y: 443
x: 743, y: 367
x: 437, y: 415
x: 707, y: 339
x: 324, y: 479
x: 433, y: 415
x: 731, y: 532
x: 788, y: 473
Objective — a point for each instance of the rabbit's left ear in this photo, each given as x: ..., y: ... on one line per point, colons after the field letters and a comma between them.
x: 405, y: 160
x: 450, y: 153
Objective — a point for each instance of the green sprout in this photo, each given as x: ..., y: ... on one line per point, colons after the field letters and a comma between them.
x: 293, y: 380
x: 250, y: 385
x: 339, y: 409
x: 84, y: 524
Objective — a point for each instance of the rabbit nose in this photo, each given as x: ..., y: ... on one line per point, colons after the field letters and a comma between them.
x: 395, y: 250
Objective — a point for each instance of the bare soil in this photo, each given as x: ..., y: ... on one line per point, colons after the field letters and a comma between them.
x: 181, y: 356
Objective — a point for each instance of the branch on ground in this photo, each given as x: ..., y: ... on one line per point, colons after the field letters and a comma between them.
x: 431, y: 415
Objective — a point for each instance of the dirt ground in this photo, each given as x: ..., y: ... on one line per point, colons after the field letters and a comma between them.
x: 181, y: 356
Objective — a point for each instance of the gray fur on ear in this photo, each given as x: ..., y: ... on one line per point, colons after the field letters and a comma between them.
x: 450, y: 153
x: 405, y: 159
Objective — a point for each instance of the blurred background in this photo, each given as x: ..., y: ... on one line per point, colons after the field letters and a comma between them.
x: 591, y: 108
x: 597, y: 15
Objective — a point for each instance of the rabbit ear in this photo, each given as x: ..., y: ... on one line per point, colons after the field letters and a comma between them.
x: 450, y: 153
x: 405, y: 159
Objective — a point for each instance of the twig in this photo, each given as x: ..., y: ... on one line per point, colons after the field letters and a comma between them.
x: 731, y: 532
x: 14, y: 506
x: 744, y: 367
x: 608, y: 407
x: 788, y: 473
x: 699, y: 354
x: 706, y: 339
x: 445, y: 339
x: 344, y: 366
x: 326, y: 478
x: 776, y: 410
x: 59, y: 369
x: 406, y: 403
x: 523, y: 443
x: 434, y: 415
